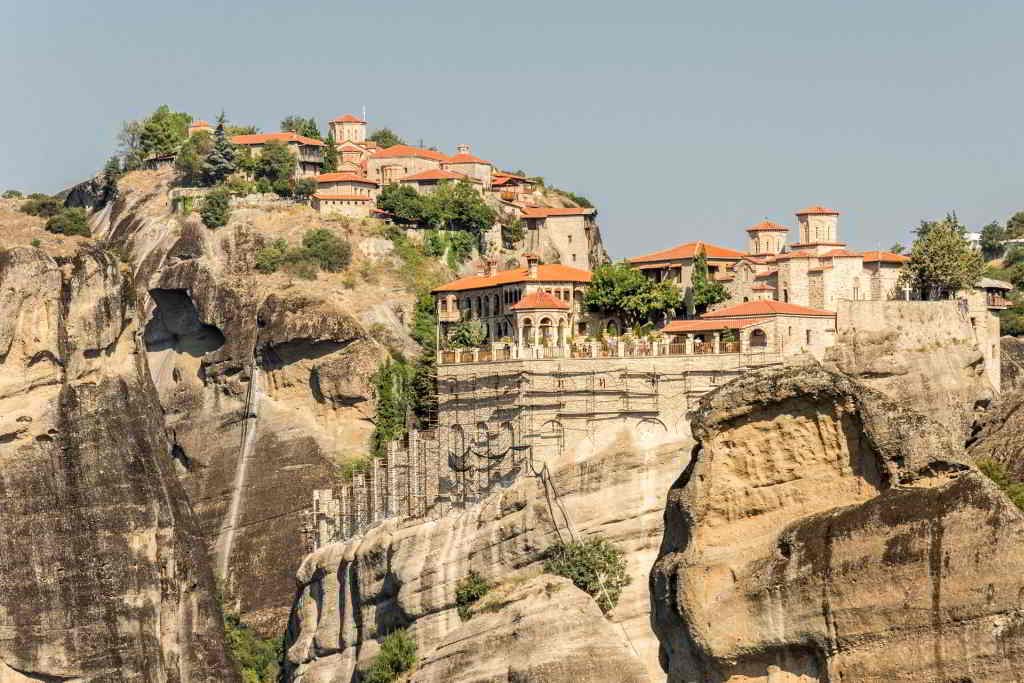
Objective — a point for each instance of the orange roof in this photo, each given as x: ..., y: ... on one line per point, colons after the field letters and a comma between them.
x: 817, y: 210
x: 677, y: 326
x: 435, y: 174
x: 795, y: 254
x: 547, y: 212
x: 541, y: 300
x: 763, y: 287
x: 347, y: 118
x: 840, y: 253
x: 688, y: 250
x: 767, y: 226
x: 199, y: 124
x: 346, y: 197
x: 467, y: 159
x: 762, y: 308
x: 549, y: 272
x: 766, y: 274
x: 885, y: 257
x: 409, y: 151
x: 261, y: 138
x: 343, y: 177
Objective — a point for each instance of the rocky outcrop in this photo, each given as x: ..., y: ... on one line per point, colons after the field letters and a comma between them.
x: 1012, y: 364
x: 823, y: 532
x: 404, y: 573
x: 544, y: 630
x: 104, y: 575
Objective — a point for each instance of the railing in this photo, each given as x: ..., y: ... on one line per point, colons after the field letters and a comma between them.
x: 608, y: 349
x: 703, y: 347
x: 996, y: 301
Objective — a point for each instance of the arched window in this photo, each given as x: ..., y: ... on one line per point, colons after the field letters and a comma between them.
x: 758, y: 339
x: 785, y: 295
x: 527, y: 331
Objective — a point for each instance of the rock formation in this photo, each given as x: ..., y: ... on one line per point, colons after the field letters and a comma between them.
x: 824, y: 533
x: 404, y: 574
x: 1012, y: 356
x: 104, y: 575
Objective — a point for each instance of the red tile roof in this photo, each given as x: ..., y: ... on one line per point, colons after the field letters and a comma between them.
x: 840, y: 252
x: 767, y: 226
x: 344, y: 197
x: 763, y: 287
x: 435, y: 174
x: 763, y: 308
x: 688, y: 250
x: 677, y: 326
x: 547, y: 212
x: 199, y: 124
x: 347, y: 118
x: 549, y: 272
x: 467, y: 159
x: 343, y: 177
x: 771, y: 272
x: 261, y: 138
x: 796, y: 254
x: 817, y: 210
x: 539, y: 300
x: 884, y: 257
x: 409, y: 151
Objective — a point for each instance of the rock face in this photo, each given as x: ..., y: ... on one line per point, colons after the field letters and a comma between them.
x: 1012, y: 356
x: 405, y: 574
x: 103, y: 575
x: 545, y: 631
x: 824, y: 533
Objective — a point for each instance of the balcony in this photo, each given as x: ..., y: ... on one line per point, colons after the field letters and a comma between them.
x: 997, y: 302
x: 593, y: 350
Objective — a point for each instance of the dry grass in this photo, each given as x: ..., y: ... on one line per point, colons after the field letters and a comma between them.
x: 19, y: 229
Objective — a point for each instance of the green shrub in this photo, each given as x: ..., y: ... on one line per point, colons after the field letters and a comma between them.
x: 270, y: 257
x: 434, y: 243
x: 468, y: 591
x: 512, y: 231
x: 595, y: 566
x: 12, y: 194
x: 305, y: 187
x: 301, y: 268
x: 36, y: 243
x: 239, y: 186
x: 1001, y: 477
x: 69, y: 222
x: 41, y: 205
x: 460, y: 248
x: 216, y: 208
x: 257, y: 658
x: 397, y: 655
x: 282, y: 187
x: 330, y: 251
x: 264, y: 186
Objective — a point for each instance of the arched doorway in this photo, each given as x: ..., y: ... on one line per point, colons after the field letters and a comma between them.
x: 546, y: 332
x: 527, y: 339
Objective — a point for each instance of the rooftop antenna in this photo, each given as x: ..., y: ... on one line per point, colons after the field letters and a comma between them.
x: 364, y: 112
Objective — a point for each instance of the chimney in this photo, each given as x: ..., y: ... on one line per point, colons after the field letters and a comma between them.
x: 462, y: 149
x: 532, y: 263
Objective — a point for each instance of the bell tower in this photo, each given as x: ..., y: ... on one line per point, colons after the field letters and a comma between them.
x: 818, y: 226
x: 766, y: 238
x: 348, y: 128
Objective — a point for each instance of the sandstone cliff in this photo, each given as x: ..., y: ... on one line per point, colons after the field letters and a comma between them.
x: 404, y: 574
x: 103, y: 576
x: 825, y: 533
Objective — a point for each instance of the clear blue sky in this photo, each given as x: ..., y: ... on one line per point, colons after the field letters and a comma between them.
x: 679, y: 120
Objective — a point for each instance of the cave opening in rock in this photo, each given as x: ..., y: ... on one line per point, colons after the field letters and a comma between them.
x: 176, y: 326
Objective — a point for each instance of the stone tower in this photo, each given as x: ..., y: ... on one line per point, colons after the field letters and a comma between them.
x: 766, y: 238
x: 348, y: 128
x: 818, y: 226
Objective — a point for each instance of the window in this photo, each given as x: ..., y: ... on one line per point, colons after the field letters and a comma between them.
x: 808, y: 337
x: 570, y: 239
x: 574, y: 258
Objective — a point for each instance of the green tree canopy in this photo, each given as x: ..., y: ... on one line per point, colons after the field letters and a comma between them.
x: 942, y: 261
x: 219, y: 161
x: 331, y: 252
x: 1015, y: 226
x: 163, y: 132
x: 191, y: 160
x: 69, y: 222
x: 385, y: 137
x: 706, y: 292
x: 302, y: 126
x: 275, y: 163
x: 216, y: 208
x: 402, y: 202
x: 458, y: 206
x: 330, y: 162
x: 621, y: 290
x: 466, y: 334
x: 896, y: 248
x: 992, y: 236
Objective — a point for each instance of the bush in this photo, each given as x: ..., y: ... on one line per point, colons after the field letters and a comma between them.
x: 512, y: 231
x: 36, y: 243
x: 282, y: 188
x: 216, y: 208
x: 69, y: 222
x: 1001, y: 477
x: 264, y: 186
x: 595, y: 566
x: 397, y: 655
x: 330, y: 251
x: 305, y: 187
x: 257, y: 658
x: 434, y: 243
x: 272, y: 256
x: 42, y: 205
x: 460, y: 248
x: 468, y: 591
x: 11, y: 194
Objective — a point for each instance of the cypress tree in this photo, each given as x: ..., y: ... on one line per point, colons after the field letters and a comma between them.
x: 220, y: 163
x: 330, y: 162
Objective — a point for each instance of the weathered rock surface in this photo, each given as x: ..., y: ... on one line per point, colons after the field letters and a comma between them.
x: 1012, y: 365
x: 544, y: 631
x: 103, y: 576
x: 824, y: 533
x: 404, y: 574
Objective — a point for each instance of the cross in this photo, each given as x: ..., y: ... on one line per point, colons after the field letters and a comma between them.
x: 906, y: 292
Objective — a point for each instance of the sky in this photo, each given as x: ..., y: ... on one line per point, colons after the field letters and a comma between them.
x: 680, y: 121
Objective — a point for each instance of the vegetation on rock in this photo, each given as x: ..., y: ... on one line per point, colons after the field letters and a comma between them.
x: 257, y: 658
x: 12, y: 194
x: 512, y: 230
x: 321, y: 249
x: 69, y: 222
x: 468, y: 591
x: 397, y: 655
x: 942, y: 261
x: 594, y: 565
x: 41, y: 205
x: 452, y: 206
x: 216, y: 210
x: 392, y: 392
x: 191, y: 158
x: 619, y: 289
x: 1001, y: 477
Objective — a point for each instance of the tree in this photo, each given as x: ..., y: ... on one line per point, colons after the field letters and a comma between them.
x: 41, y: 205
x: 466, y: 334
x: 896, y: 248
x: 330, y: 162
x: 69, y: 222
x: 216, y: 208
x: 594, y: 565
x: 396, y: 656
x: 331, y: 252
x: 621, y: 290
x: 275, y: 163
x: 385, y: 137
x: 402, y: 202
x: 163, y: 132
x: 129, y: 141
x: 191, y: 159
x: 424, y: 377
x: 112, y: 172
x: 305, y: 187
x: 233, y: 130
x: 12, y: 194
x: 1015, y: 226
x: 992, y: 236
x: 219, y: 162
x: 391, y: 393
x: 457, y: 206
x: 301, y: 126
x: 942, y: 261
x: 706, y: 292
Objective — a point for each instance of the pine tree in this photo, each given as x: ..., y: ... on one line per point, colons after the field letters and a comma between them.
x: 220, y: 163
x: 330, y: 162
x: 706, y: 292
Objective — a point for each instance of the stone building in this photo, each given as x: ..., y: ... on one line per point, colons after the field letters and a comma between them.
x: 540, y: 305
x: 566, y: 235
x: 354, y: 149
x: 472, y: 167
x: 426, y: 182
x: 676, y: 265
x: 347, y: 194
x: 391, y: 164
x: 308, y: 152
x: 511, y: 188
